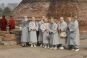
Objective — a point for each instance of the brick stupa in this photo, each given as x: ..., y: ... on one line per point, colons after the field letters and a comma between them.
x: 53, y: 8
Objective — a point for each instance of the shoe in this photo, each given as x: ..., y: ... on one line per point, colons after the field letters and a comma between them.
x: 34, y: 45
x: 51, y: 48
x: 23, y: 46
x: 72, y: 49
x: 48, y: 47
x: 55, y: 48
x: 41, y: 45
x: 61, y: 48
x: 45, y: 46
x: 76, y: 50
x: 31, y: 45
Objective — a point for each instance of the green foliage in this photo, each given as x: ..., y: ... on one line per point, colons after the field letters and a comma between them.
x: 6, y: 10
x: 1, y: 10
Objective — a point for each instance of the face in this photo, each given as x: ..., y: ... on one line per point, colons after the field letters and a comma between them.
x: 11, y: 17
x: 69, y: 19
x: 52, y: 21
x: 61, y: 19
x: 33, y: 18
x: 43, y: 17
x: 45, y: 20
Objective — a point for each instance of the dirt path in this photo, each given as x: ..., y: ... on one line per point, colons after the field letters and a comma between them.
x: 28, y: 52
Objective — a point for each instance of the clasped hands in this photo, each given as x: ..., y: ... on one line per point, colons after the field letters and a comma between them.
x: 33, y: 29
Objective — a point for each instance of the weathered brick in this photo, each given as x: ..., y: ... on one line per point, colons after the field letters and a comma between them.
x: 3, y: 32
x: 9, y: 37
x: 1, y: 37
x: 9, y: 43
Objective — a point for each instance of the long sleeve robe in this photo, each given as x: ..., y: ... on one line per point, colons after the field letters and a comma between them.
x: 12, y: 24
x: 63, y: 26
x: 0, y: 23
x: 3, y: 24
x: 33, y: 34
x: 25, y: 33
x: 45, y: 32
x: 69, y: 41
x: 40, y: 37
x: 74, y: 29
x: 54, y: 36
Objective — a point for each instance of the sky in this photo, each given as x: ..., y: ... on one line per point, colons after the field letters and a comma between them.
x: 10, y: 1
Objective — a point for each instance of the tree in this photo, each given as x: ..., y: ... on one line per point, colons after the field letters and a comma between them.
x: 1, y: 10
x: 6, y: 10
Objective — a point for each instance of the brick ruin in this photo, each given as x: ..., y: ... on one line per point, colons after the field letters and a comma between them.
x: 52, y: 8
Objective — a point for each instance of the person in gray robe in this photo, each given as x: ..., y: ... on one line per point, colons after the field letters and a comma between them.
x: 45, y: 29
x: 40, y: 37
x: 33, y: 27
x: 69, y: 41
x: 62, y: 25
x: 74, y: 34
x: 54, y: 36
x: 24, y: 28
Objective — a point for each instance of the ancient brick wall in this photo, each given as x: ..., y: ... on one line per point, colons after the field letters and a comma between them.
x: 53, y: 8
x: 49, y: 8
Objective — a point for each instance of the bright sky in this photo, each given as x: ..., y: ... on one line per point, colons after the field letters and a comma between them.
x: 10, y: 1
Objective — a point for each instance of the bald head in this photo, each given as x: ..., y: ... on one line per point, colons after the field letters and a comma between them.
x: 69, y: 19
x: 52, y: 21
x: 25, y: 16
x: 61, y: 19
x: 43, y: 17
x: 45, y: 20
x: 33, y: 18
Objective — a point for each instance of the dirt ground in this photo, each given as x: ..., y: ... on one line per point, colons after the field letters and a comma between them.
x: 27, y: 52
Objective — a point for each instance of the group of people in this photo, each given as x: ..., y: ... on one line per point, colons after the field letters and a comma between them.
x: 51, y: 33
x: 4, y: 23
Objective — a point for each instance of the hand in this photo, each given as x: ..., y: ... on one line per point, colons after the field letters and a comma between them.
x: 33, y: 29
x: 58, y: 28
x: 46, y: 29
x: 50, y: 30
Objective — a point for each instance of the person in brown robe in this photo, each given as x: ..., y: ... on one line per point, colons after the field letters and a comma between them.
x: 3, y: 23
x: 11, y: 23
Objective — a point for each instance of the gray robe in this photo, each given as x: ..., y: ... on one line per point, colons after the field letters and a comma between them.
x: 77, y: 39
x: 54, y: 36
x: 24, y: 36
x: 45, y: 32
x: 33, y: 34
x: 68, y: 40
x: 63, y: 27
x: 40, y: 37
x: 74, y: 29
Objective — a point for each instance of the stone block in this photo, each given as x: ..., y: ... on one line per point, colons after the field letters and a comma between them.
x: 9, y: 43
x: 3, y: 32
x: 1, y: 37
x: 9, y: 37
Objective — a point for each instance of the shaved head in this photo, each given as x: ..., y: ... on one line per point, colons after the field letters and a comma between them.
x: 33, y: 18
x: 45, y: 20
x: 61, y: 19
x: 52, y: 21
x: 69, y: 19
